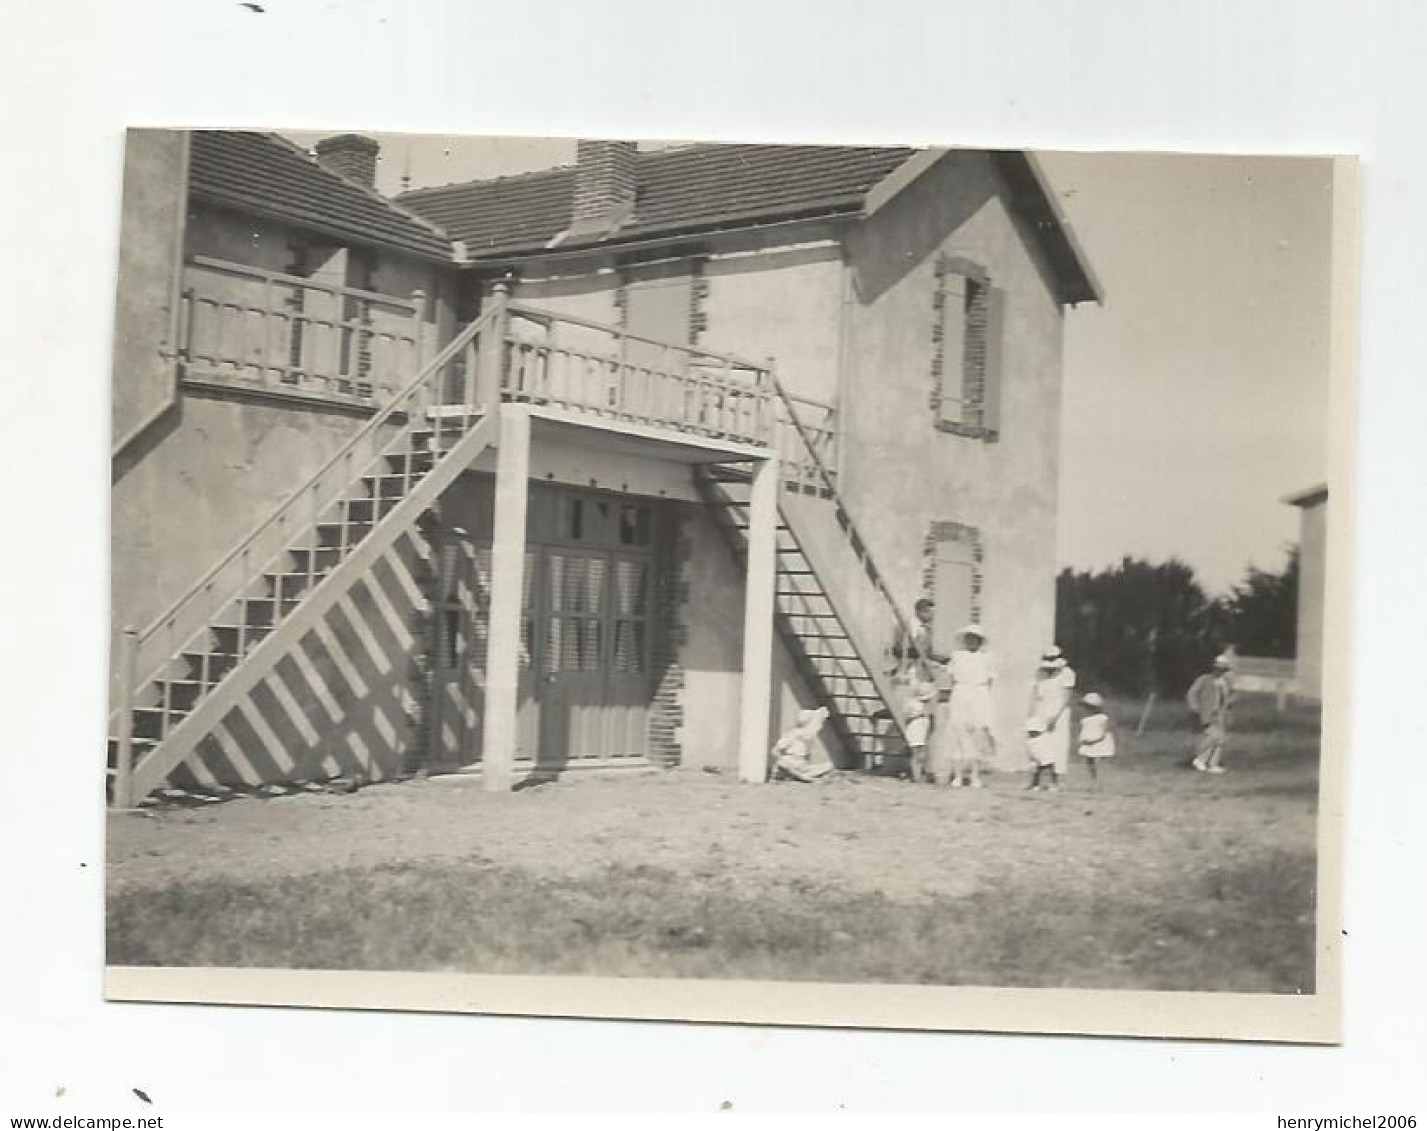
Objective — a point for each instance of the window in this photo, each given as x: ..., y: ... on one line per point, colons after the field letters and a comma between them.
x: 966, y: 353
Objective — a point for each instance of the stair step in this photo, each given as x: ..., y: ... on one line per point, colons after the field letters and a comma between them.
x: 331, y: 533
x: 321, y: 556
x: 293, y: 586
x: 149, y: 721
x: 392, y: 486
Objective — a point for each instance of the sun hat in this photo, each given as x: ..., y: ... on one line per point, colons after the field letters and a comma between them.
x: 1094, y: 699
x: 973, y: 630
x: 1052, y: 653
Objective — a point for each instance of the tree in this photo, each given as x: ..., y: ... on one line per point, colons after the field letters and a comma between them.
x: 1139, y: 627
x: 1264, y: 611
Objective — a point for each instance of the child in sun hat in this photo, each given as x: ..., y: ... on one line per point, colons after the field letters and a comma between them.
x: 1097, y: 734
x: 1040, y: 749
x: 792, y: 754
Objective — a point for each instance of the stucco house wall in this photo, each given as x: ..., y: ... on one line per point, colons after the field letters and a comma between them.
x: 1005, y: 488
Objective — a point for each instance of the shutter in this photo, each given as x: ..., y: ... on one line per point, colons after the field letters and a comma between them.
x: 953, y: 348
x: 991, y: 384
x: 954, y: 592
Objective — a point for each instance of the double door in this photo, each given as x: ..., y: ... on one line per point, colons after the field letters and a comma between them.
x: 585, y: 667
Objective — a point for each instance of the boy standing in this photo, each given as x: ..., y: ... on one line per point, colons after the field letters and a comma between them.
x: 1210, y: 697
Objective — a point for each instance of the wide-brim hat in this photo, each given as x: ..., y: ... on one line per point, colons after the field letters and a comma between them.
x: 1094, y: 699
x: 1053, y: 653
x: 972, y: 630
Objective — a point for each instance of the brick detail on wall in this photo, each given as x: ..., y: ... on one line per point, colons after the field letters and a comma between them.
x: 972, y: 364
x: 955, y: 532
x: 698, y: 301
x: 671, y: 620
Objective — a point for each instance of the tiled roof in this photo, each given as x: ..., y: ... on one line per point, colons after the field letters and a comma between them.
x: 693, y: 188
x: 266, y: 174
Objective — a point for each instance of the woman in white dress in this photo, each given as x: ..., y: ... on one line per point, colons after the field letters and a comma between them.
x: 1049, y: 723
x: 963, y: 740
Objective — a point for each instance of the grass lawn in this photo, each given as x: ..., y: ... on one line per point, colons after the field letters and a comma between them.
x: 1159, y: 878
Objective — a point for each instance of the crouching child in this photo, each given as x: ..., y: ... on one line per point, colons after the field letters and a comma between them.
x: 792, y: 753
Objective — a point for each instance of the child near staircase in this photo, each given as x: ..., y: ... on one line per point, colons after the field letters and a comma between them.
x: 792, y: 753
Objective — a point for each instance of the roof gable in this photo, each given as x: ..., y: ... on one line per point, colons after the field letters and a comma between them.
x: 268, y: 175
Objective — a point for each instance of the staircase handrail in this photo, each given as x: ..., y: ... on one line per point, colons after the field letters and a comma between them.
x: 859, y: 543
x: 397, y: 404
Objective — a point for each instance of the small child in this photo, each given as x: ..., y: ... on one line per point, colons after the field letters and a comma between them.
x: 921, y: 705
x: 1040, y: 747
x: 1097, y: 735
x: 792, y: 753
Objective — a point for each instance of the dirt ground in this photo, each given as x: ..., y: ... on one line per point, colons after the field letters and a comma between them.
x: 1148, y: 820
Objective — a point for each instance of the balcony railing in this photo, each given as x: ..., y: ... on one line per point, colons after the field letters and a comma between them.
x: 246, y: 327
x: 807, y: 443
x: 566, y: 362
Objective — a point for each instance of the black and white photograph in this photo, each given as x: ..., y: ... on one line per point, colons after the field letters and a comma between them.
x: 783, y: 565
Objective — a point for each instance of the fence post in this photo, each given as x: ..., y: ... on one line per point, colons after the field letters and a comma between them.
x: 123, y: 794
x: 491, y: 356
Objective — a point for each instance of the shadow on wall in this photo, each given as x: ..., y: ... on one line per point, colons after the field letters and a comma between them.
x: 349, y: 700
x: 897, y: 240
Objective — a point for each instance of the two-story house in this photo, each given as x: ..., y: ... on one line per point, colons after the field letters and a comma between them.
x: 615, y: 464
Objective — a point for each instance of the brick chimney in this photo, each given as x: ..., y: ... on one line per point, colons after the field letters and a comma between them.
x: 604, y: 184
x: 351, y: 155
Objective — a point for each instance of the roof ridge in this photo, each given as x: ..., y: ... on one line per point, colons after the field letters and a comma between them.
x: 647, y: 155
x: 371, y: 191
x: 524, y: 175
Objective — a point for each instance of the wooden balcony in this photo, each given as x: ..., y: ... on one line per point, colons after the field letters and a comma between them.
x: 243, y: 327
x: 289, y: 336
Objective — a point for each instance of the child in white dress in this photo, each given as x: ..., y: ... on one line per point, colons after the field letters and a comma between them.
x: 1097, y: 734
x: 792, y: 754
x: 921, y: 697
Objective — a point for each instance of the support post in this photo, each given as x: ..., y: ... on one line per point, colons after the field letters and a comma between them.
x: 512, y: 488
x: 418, y: 333
x: 490, y: 358
x: 758, y: 609
x: 123, y: 794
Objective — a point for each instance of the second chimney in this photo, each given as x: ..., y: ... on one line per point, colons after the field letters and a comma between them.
x: 351, y: 155
x: 604, y: 183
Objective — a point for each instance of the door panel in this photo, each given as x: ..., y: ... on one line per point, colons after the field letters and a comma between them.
x: 572, y: 695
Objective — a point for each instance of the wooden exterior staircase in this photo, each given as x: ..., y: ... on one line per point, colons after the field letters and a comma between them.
x: 834, y: 611
x: 179, y: 677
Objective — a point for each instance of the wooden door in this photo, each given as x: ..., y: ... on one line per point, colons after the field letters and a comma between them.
x: 458, y: 656
x: 458, y: 670
x: 574, y: 655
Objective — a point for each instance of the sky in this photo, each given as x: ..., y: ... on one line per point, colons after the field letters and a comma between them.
x: 1195, y: 398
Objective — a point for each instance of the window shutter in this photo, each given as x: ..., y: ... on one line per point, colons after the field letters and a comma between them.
x: 954, y: 585
x: 953, y: 348
x: 991, y: 383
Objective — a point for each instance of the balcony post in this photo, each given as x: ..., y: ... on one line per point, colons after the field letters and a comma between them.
x: 490, y: 360
x: 755, y: 709
x: 512, y: 487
